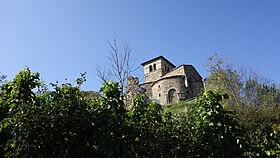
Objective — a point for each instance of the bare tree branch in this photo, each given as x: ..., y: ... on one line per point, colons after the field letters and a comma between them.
x: 102, y: 73
x: 119, y: 65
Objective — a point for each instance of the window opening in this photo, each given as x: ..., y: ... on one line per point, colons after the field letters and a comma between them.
x: 151, y: 68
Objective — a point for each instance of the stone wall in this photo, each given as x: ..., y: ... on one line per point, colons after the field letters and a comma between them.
x: 195, y: 80
x: 166, y: 67
x: 191, y: 72
x: 194, y: 90
x: 177, y: 71
x: 165, y: 83
x: 148, y: 89
x: 162, y: 87
x: 132, y: 90
x: 152, y: 76
x: 162, y: 67
x: 155, y: 74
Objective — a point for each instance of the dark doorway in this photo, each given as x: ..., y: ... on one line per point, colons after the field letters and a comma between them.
x: 172, y: 97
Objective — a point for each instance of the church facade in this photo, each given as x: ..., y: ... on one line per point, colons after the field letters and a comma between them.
x: 167, y: 84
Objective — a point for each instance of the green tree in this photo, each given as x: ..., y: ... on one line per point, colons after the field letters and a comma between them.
x: 111, y: 131
x: 254, y: 99
x: 56, y: 124
x: 218, y: 133
x: 16, y: 96
x: 65, y: 122
x: 266, y: 141
x: 242, y: 84
x: 224, y: 78
x: 4, y: 135
x: 145, y: 119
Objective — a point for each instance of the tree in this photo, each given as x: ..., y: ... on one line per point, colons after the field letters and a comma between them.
x: 2, y: 78
x: 224, y: 78
x: 54, y: 124
x: 65, y: 122
x: 218, y: 133
x: 4, y: 135
x: 243, y: 84
x: 119, y: 63
x: 254, y: 99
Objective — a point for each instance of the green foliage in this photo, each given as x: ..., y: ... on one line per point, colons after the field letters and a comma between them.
x: 91, y: 95
x: 40, y: 125
x: 145, y: 120
x: 224, y: 78
x: 243, y: 85
x: 158, y: 134
x: 177, y: 107
x: 266, y: 141
x: 81, y: 79
x: 218, y: 133
x: 16, y: 99
x: 254, y: 117
x: 111, y: 132
x: 253, y: 98
x: 67, y: 122
x: 2, y: 78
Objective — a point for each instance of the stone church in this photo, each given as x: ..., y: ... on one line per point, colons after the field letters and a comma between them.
x: 166, y: 83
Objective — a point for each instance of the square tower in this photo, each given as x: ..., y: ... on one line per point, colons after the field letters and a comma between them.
x: 155, y: 68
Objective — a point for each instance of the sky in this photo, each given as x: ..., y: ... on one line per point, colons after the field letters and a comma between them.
x: 61, y: 39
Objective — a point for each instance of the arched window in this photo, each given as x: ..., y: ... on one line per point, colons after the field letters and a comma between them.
x: 155, y: 67
x: 151, y: 68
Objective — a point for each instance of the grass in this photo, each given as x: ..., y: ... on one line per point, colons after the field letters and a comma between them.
x: 177, y: 107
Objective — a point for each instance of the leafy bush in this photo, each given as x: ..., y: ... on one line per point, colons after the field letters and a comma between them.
x: 266, y: 141
x: 67, y: 123
x: 217, y: 131
x: 56, y: 124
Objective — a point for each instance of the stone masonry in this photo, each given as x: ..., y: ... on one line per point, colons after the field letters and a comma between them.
x: 132, y: 89
x: 166, y: 83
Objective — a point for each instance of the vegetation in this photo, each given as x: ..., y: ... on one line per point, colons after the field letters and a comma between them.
x: 244, y: 85
x: 255, y: 100
x: 68, y: 122
x: 177, y: 108
x: 2, y: 78
x: 119, y: 64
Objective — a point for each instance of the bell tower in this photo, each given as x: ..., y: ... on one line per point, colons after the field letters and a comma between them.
x: 155, y: 68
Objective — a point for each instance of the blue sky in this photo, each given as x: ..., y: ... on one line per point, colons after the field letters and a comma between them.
x: 62, y: 38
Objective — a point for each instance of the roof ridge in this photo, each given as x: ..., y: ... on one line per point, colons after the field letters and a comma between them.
x: 156, y: 58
